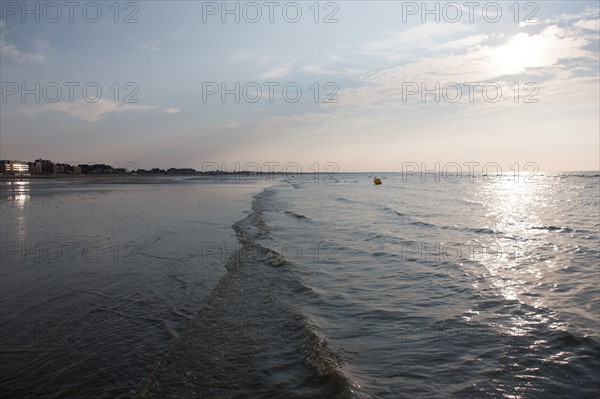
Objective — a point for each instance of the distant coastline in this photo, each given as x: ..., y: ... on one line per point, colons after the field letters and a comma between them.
x: 125, y: 176
x: 44, y: 169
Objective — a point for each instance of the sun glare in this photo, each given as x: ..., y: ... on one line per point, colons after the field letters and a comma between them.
x: 521, y: 52
x: 515, y: 56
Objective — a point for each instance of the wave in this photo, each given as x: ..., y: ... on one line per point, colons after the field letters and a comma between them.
x: 553, y: 228
x: 325, y: 363
x: 296, y: 215
x: 568, y: 175
x: 380, y: 237
x: 478, y: 230
x: 272, y: 257
x: 419, y: 223
x: 564, y: 339
x: 250, y: 338
x: 342, y: 199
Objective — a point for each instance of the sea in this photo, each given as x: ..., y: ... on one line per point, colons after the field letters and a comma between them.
x: 301, y: 286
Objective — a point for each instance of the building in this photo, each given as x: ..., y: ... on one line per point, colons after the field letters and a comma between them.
x: 96, y: 169
x: 14, y: 167
x: 63, y: 168
x: 181, y: 171
x: 43, y: 166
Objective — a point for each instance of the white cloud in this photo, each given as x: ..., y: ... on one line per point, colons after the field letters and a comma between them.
x: 545, y: 49
x: 401, y: 45
x: 40, y: 44
x: 588, y: 24
x: 333, y: 65
x: 590, y: 12
x: 241, y: 55
x: 468, y: 41
x: 10, y: 51
x: 172, y: 110
x: 552, y: 56
x: 257, y: 56
x: 148, y: 47
x: 519, y: 54
x: 320, y: 69
x: 277, y: 72
x: 89, y: 112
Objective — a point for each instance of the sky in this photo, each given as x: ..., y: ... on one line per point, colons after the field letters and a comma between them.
x: 351, y: 85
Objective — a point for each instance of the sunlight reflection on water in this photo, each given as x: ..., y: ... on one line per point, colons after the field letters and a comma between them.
x: 516, y: 209
x: 18, y: 193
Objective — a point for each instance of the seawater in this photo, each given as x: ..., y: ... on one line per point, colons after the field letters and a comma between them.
x: 99, y: 275
x: 330, y: 286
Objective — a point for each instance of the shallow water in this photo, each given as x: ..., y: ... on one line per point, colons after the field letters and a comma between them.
x: 98, y: 277
x: 323, y: 288
x: 477, y: 289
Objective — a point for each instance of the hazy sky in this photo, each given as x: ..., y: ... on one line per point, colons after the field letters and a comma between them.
x: 339, y: 82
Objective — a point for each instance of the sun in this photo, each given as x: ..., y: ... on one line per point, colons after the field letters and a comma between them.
x: 520, y: 53
x: 515, y: 56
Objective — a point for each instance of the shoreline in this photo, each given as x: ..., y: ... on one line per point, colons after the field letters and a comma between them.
x: 225, y: 175
x: 122, y: 178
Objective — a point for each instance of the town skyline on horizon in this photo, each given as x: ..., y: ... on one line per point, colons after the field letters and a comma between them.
x: 411, y: 167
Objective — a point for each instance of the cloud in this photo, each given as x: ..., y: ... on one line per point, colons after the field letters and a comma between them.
x: 153, y: 45
x: 588, y: 24
x: 277, y: 72
x: 10, y: 51
x: 554, y: 56
x: 589, y: 12
x: 172, y: 110
x: 234, y: 124
x: 241, y: 55
x: 519, y: 54
x: 333, y: 65
x: 468, y: 41
x: 89, y: 112
x: 545, y: 49
x: 401, y: 45
x: 261, y: 58
x: 257, y: 56
x: 148, y: 47
x: 320, y: 69
x: 175, y: 35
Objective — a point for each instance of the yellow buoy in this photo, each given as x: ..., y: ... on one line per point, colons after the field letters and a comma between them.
x: 377, y: 180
